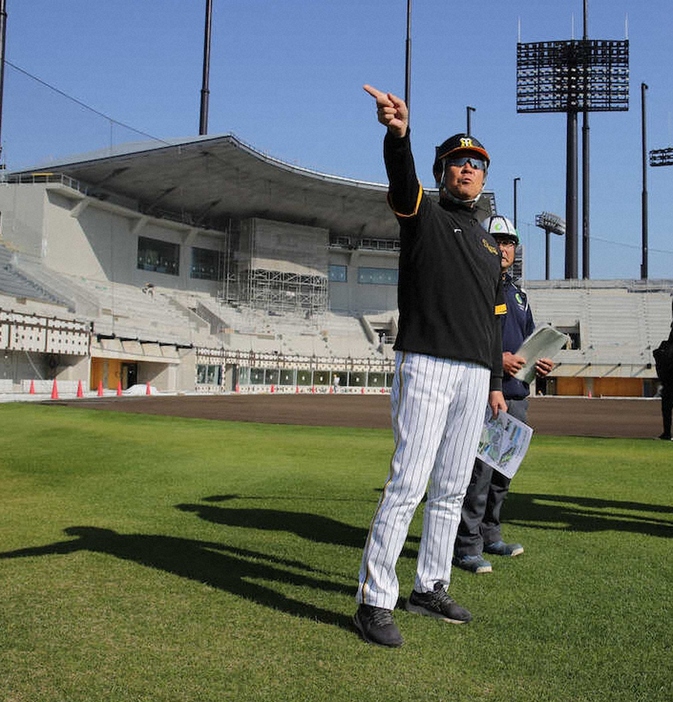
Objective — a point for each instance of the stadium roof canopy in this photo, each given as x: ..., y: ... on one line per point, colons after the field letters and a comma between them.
x: 206, y: 180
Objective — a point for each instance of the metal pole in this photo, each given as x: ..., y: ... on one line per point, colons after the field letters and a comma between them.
x: 469, y: 121
x: 643, y: 265
x: 586, y: 271
x: 571, y: 197
x: 407, y: 61
x: 546, y: 254
x: 516, y: 180
x: 205, y: 93
x: 585, y: 173
x: 3, y: 35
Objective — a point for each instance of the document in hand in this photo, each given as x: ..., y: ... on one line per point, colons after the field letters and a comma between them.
x: 504, y: 442
x: 544, y: 342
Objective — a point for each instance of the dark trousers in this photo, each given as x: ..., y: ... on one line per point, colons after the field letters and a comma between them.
x: 486, y: 493
x: 667, y: 406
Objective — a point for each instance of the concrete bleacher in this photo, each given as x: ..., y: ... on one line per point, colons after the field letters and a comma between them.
x: 618, y: 323
x: 557, y: 306
x: 244, y: 328
x: 19, y: 283
x: 127, y: 311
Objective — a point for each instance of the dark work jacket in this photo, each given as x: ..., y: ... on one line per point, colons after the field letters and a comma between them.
x: 517, y: 324
x: 449, y: 272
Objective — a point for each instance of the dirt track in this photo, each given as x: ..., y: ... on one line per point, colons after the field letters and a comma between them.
x: 561, y: 416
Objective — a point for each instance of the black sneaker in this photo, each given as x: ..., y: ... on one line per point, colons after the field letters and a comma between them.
x: 437, y: 604
x: 376, y: 625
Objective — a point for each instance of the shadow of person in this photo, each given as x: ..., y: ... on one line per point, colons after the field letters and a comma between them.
x: 588, y: 514
x: 312, y: 527
x: 212, y: 563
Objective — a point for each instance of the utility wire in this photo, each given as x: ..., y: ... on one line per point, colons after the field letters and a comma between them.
x: 84, y: 105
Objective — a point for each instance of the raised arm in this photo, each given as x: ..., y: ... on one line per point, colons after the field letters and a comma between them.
x: 391, y: 111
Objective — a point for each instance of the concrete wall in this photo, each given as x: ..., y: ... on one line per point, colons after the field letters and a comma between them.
x: 23, y: 208
x: 354, y: 297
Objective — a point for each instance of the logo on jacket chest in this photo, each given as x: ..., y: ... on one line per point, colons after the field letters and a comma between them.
x: 520, y: 300
x: 492, y: 249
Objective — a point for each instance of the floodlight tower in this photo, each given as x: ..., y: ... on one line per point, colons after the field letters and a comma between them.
x: 658, y: 157
x: 572, y: 77
x: 552, y: 224
x: 661, y: 157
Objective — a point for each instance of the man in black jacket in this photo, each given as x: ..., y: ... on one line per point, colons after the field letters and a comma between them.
x: 448, y: 369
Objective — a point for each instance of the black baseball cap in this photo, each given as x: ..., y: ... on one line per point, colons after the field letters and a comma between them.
x: 458, y: 143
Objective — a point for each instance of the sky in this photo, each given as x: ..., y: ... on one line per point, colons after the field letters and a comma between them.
x: 286, y: 78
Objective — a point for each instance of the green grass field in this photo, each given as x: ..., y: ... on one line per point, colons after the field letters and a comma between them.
x: 159, y: 559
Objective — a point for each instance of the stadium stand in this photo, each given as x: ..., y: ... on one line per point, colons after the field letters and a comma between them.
x: 205, y: 266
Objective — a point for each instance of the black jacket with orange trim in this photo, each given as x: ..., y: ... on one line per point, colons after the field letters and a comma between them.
x: 449, y: 289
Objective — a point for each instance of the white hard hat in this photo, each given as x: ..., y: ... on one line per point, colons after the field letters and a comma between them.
x: 500, y: 227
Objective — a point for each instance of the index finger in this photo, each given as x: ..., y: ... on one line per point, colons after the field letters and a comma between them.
x: 377, y: 94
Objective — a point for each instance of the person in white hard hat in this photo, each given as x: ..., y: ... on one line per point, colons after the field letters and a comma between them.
x: 479, y: 529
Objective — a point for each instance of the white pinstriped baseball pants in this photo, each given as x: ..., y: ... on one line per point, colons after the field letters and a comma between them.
x: 438, y: 408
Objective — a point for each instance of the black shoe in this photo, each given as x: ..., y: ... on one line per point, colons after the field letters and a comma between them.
x: 437, y: 604
x: 665, y: 436
x: 376, y: 625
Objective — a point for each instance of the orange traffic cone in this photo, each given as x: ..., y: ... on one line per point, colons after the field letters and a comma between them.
x: 54, y: 391
x: 80, y: 392
x: 148, y: 389
x: 32, y: 387
x: 119, y: 388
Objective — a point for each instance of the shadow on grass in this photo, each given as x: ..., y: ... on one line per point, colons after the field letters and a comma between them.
x: 312, y: 527
x: 587, y: 514
x: 212, y: 563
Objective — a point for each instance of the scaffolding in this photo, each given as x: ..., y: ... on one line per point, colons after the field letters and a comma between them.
x: 276, y: 291
x: 265, y: 271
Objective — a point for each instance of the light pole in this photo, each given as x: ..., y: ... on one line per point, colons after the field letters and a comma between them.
x: 469, y: 121
x: 586, y: 243
x: 407, y: 60
x: 643, y: 265
x: 205, y: 92
x: 552, y: 224
x: 516, y: 180
x: 3, y: 34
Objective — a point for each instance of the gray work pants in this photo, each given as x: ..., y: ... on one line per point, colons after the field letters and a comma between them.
x: 486, y: 493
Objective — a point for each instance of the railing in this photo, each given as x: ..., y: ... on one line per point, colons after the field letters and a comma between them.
x: 47, y: 177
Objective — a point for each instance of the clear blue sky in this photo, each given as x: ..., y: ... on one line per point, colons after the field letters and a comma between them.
x: 286, y: 77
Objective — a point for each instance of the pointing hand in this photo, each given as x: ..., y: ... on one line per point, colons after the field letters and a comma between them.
x: 392, y: 112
